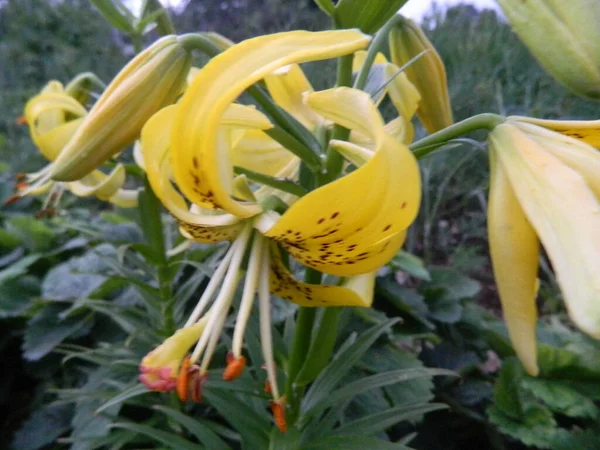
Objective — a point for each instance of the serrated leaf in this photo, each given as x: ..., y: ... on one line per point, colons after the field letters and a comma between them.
x: 368, y: 15
x: 341, y: 364
x: 561, y: 398
x: 79, y: 276
x: 203, y: 433
x: 542, y: 435
x: 33, y: 234
x: 46, y: 330
x: 351, y: 442
x: 43, y: 427
x: 171, y: 440
x: 16, y: 296
x: 19, y: 268
x: 378, y: 422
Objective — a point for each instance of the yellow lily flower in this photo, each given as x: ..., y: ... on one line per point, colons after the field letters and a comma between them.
x: 544, y: 184
x: 195, y: 143
x: 54, y: 117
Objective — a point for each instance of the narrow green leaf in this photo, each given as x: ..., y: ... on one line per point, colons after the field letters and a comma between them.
x: 241, y: 417
x: 150, y: 210
x: 368, y: 15
x: 205, y: 435
x: 116, y: 14
x: 326, y: 6
x: 351, y: 442
x: 19, y: 268
x: 342, y: 363
x: 355, y: 388
x: 169, y: 439
x: 411, y: 264
x: 133, y: 391
x: 321, y: 347
x: 378, y: 422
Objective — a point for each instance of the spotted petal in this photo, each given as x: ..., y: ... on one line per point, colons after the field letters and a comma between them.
x: 325, y: 229
x: 354, y: 291
x: 202, y: 225
x: 199, y: 148
x: 587, y: 131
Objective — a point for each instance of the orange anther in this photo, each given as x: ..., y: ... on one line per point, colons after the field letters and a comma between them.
x: 21, y: 185
x: 20, y: 176
x: 197, y: 384
x: 268, y: 389
x: 235, y: 367
x: 21, y: 120
x: 183, y: 380
x: 12, y: 199
x: 278, y: 408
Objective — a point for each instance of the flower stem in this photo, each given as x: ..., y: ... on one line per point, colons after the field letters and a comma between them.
x: 428, y: 144
x: 335, y: 161
x: 282, y: 184
x: 374, y: 48
x: 300, y: 346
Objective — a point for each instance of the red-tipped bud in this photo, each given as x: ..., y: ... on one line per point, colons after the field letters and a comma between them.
x: 278, y: 408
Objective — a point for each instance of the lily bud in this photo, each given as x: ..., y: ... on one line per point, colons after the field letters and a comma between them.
x: 427, y: 73
x: 151, y: 81
x: 563, y: 36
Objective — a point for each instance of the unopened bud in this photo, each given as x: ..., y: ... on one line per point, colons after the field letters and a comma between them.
x: 151, y: 81
x: 426, y: 72
x: 563, y: 36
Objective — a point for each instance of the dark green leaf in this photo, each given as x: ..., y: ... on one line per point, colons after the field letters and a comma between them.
x: 133, y: 391
x: 34, y: 234
x: 16, y: 296
x: 46, y: 330
x: 409, y: 263
x: 43, y: 426
x: 368, y: 15
x: 342, y: 363
x: 204, y: 434
x: 351, y: 442
x: 19, y: 268
x: 150, y: 210
x: 171, y: 440
x: 378, y: 422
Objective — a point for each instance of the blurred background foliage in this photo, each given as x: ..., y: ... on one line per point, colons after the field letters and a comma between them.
x: 61, y: 289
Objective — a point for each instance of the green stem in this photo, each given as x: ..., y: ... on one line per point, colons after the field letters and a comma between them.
x: 164, y: 24
x: 428, y: 144
x: 376, y: 45
x: 300, y: 347
x: 335, y: 162
x: 308, y: 156
x: 278, y: 183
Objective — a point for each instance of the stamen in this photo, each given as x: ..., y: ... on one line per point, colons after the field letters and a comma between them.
x: 210, y: 289
x: 235, y: 367
x: 183, y: 379
x: 218, y: 311
x: 250, y: 286
x: 278, y: 409
x: 266, y: 339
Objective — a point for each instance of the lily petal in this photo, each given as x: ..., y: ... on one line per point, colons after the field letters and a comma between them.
x: 324, y: 229
x: 354, y: 291
x: 203, y: 225
x: 587, y: 131
x: 99, y: 184
x: 199, y: 149
x: 575, y: 153
x: 287, y: 86
x: 565, y: 214
x: 514, y: 249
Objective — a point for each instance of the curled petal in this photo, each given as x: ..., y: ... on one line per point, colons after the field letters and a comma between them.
x: 587, y: 131
x: 565, y: 214
x: 354, y: 291
x: 325, y: 229
x: 199, y: 147
x: 514, y: 249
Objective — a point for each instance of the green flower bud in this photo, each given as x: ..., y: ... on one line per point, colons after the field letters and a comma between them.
x: 427, y: 73
x: 563, y: 36
x: 152, y: 80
